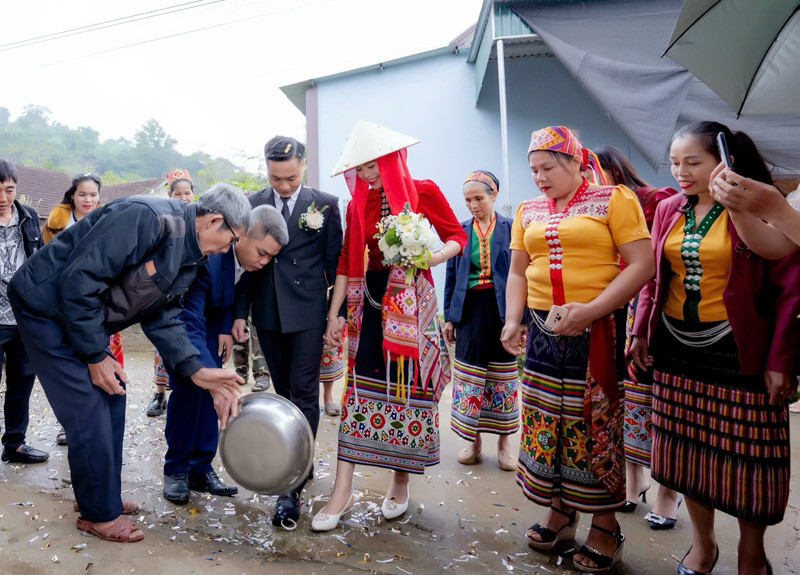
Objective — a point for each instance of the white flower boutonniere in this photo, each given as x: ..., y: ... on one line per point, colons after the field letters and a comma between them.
x: 312, y: 219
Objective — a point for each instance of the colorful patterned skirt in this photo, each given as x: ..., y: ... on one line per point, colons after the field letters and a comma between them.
x: 380, y: 426
x: 715, y: 436
x: 332, y: 366
x: 638, y: 422
x: 115, y: 346
x: 485, y: 376
x: 161, y: 377
x: 555, y: 458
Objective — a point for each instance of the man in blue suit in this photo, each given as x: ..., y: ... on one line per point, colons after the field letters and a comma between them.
x: 191, y: 429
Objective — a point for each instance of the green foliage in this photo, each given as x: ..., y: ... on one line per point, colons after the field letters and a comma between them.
x: 33, y: 139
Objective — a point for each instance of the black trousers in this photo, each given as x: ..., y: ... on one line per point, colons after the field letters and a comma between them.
x: 294, y: 361
x: 19, y: 384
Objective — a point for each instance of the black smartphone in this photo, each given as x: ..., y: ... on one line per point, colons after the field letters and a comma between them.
x: 724, y: 154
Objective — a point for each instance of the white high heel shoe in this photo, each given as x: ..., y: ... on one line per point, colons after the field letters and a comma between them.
x: 326, y: 521
x: 392, y: 509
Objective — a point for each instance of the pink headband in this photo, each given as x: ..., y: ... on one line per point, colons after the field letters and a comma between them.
x: 563, y: 140
x: 482, y: 178
x: 177, y: 174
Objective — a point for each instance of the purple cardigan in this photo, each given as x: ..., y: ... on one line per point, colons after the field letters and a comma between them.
x: 761, y: 298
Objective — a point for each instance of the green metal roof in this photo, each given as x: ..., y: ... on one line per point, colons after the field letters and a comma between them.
x: 496, y: 20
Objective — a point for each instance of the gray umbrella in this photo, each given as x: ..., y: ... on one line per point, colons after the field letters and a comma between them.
x: 747, y: 51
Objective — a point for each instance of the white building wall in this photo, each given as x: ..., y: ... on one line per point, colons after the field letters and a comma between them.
x: 432, y: 100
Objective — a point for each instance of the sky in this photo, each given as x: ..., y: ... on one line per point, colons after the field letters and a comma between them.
x: 208, y: 70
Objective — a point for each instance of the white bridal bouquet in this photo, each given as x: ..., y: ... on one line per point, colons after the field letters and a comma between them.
x: 406, y: 240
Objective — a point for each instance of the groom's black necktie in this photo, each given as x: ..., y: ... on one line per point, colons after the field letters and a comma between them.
x: 285, y: 209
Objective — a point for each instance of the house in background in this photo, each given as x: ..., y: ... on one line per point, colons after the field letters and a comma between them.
x: 152, y: 187
x: 594, y: 66
x: 43, y: 189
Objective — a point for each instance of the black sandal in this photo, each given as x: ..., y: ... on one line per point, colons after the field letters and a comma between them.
x: 550, y: 538
x: 602, y: 563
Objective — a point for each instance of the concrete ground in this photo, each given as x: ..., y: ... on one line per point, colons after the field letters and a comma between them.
x: 462, y: 520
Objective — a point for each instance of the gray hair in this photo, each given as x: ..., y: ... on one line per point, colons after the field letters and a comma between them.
x: 266, y: 220
x: 228, y: 202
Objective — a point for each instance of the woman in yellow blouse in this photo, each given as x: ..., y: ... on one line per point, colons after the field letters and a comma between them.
x: 565, y: 251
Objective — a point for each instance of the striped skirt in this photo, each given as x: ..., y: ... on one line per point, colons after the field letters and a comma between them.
x: 384, y: 424
x: 485, y: 375
x: 715, y: 436
x: 555, y: 458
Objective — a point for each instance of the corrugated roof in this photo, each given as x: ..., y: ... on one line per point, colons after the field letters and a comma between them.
x: 138, y: 188
x: 42, y: 189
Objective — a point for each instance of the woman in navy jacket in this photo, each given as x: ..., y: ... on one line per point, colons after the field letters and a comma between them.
x: 485, y: 375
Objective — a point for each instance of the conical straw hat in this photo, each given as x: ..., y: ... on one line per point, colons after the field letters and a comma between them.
x: 368, y: 142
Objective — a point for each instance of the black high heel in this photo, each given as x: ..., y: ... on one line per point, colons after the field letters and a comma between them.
x: 686, y: 571
x: 630, y: 506
x: 550, y: 538
x: 659, y: 522
x: 602, y: 563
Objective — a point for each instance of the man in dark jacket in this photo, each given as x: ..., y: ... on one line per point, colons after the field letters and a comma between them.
x: 191, y: 430
x: 126, y: 262
x: 19, y: 239
x: 289, y: 296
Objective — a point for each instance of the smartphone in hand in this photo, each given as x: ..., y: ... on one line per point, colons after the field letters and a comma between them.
x: 724, y: 153
x: 556, y: 315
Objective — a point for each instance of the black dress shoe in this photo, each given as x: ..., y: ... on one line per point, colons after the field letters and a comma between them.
x: 211, y: 483
x: 686, y: 571
x: 176, y: 488
x: 157, y: 405
x: 26, y: 454
x: 287, y: 511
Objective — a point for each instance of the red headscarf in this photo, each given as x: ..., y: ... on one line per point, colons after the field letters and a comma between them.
x: 399, y: 189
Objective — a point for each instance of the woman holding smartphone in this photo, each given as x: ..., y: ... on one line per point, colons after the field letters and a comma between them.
x: 565, y: 282
x: 718, y: 327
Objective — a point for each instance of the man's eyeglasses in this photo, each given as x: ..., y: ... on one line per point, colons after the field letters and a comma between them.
x: 235, y: 238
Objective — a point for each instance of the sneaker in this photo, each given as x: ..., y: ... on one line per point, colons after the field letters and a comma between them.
x: 157, y: 405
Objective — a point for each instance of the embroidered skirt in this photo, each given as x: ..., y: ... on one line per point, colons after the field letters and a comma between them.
x: 161, y: 377
x: 638, y: 422
x: 332, y: 366
x: 379, y: 426
x: 115, y: 345
x: 485, y: 375
x: 715, y: 436
x: 555, y: 458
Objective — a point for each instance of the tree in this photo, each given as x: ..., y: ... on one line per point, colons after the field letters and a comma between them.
x: 152, y: 135
x: 155, y: 150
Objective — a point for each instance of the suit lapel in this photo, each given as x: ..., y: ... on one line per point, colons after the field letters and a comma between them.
x: 302, y: 204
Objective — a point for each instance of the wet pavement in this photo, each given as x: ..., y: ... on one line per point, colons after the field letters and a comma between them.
x: 462, y: 519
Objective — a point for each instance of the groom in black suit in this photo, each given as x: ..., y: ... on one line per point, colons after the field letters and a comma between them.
x: 288, y: 296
